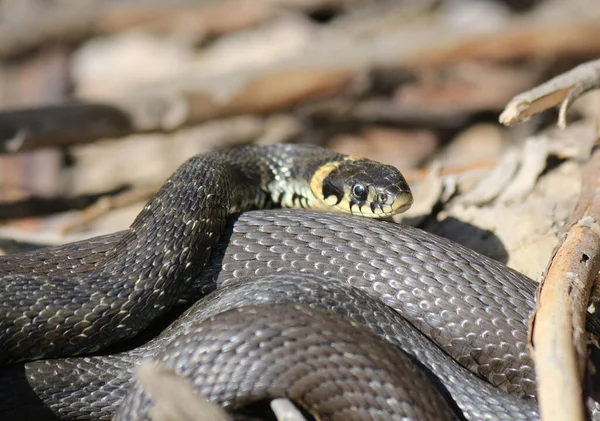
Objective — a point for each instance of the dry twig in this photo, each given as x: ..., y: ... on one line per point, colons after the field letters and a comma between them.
x: 564, y: 89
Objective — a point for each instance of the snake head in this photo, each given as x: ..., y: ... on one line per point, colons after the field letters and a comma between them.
x: 362, y: 187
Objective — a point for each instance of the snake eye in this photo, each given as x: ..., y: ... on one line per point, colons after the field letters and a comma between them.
x: 359, y: 192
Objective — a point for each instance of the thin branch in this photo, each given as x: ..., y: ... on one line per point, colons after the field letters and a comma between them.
x: 564, y: 89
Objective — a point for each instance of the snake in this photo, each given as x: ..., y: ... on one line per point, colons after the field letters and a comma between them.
x: 469, y: 313
x: 169, y: 242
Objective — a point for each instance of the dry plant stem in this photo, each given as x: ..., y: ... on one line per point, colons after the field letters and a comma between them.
x: 557, y: 331
x: 564, y: 89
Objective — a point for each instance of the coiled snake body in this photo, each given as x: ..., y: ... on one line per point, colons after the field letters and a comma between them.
x: 470, y: 307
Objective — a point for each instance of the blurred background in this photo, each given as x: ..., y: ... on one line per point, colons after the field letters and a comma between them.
x: 101, y: 100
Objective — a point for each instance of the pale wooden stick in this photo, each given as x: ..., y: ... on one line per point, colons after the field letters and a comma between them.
x: 564, y: 89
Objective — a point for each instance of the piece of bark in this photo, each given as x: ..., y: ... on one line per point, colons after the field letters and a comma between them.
x: 495, y: 182
x: 564, y: 89
x: 534, y: 155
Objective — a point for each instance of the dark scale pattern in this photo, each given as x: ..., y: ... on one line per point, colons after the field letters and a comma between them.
x: 85, y: 303
x: 334, y: 369
x: 474, y: 308
x: 476, y: 398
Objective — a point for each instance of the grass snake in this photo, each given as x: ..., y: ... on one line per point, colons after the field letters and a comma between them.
x: 432, y: 298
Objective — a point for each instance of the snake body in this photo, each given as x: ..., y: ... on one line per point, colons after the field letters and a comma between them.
x: 467, y: 306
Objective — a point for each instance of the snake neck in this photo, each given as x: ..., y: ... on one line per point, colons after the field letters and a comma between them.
x: 287, y: 172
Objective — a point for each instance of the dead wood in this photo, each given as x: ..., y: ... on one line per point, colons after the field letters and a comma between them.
x: 83, y: 19
x: 557, y: 334
x: 164, y: 109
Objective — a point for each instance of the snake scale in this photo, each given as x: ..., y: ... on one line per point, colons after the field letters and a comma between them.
x: 387, y: 277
